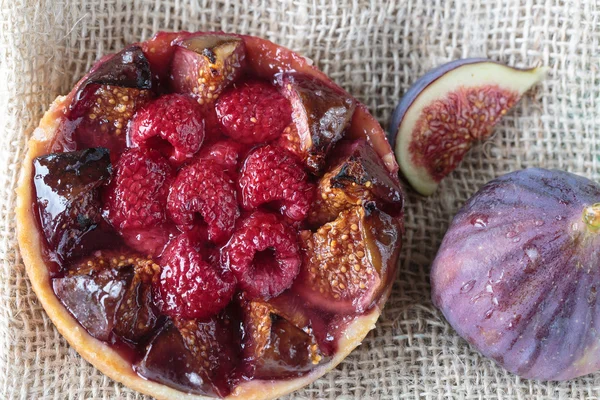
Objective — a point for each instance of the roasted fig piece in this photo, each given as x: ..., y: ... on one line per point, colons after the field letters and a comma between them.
x: 348, y: 262
x: 110, y: 292
x: 66, y: 186
x: 517, y: 273
x: 449, y: 109
x: 206, y: 64
x: 359, y: 175
x: 320, y: 114
x: 106, y: 99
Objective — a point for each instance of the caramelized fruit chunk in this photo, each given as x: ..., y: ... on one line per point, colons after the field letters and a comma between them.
x: 359, y: 175
x: 320, y: 113
x: 109, y: 292
x: 348, y: 262
x: 206, y: 64
x: 67, y: 186
x: 263, y: 254
x: 107, y: 99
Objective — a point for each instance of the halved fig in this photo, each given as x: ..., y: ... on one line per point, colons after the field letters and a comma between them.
x: 66, y: 188
x: 320, y: 114
x: 447, y: 110
x: 276, y: 345
x: 110, y: 292
x: 106, y: 99
x: 205, y: 64
x: 348, y: 262
x: 358, y: 176
x: 518, y: 272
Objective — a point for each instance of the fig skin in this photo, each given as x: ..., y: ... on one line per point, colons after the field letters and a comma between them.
x: 518, y: 272
x: 447, y: 110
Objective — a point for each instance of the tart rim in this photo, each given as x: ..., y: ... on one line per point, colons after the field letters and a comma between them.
x: 101, y: 355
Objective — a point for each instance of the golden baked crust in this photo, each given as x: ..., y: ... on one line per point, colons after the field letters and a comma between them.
x: 97, y: 352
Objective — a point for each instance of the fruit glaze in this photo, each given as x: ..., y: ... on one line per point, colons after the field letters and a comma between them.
x: 218, y: 216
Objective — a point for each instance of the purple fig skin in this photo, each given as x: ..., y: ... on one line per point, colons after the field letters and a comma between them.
x: 415, y: 90
x: 518, y: 272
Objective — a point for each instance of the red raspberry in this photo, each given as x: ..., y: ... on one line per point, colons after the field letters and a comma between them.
x: 176, y: 118
x: 263, y: 254
x: 137, y: 194
x: 253, y: 112
x: 271, y: 175
x: 225, y: 152
x: 203, y: 187
x: 188, y: 286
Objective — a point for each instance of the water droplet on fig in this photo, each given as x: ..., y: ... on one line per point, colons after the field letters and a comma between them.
x: 479, y: 221
x: 517, y: 239
x: 467, y: 287
x: 539, y: 222
x: 533, y: 253
x: 511, y: 234
x: 559, y: 217
x: 489, y: 313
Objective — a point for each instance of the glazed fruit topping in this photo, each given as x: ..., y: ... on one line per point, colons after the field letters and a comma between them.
x: 109, y: 293
x: 67, y: 192
x: 174, y: 118
x: 359, y: 175
x: 346, y: 262
x: 320, y: 113
x: 205, y: 65
x: 273, y: 177
x: 263, y: 254
x: 253, y: 112
x: 189, y: 286
x: 204, y: 188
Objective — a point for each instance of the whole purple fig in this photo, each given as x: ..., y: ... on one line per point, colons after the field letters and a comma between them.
x: 518, y: 273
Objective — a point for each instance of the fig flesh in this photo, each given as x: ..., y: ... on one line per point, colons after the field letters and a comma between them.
x: 447, y: 110
x: 518, y: 272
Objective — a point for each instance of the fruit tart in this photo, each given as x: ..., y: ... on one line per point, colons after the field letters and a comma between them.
x: 209, y: 215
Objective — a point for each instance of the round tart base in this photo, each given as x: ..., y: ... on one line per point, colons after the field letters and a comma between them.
x: 101, y: 355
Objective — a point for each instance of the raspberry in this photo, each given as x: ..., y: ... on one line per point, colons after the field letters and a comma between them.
x: 137, y: 194
x: 176, y: 118
x: 254, y: 112
x: 188, y: 286
x: 271, y: 175
x: 224, y: 152
x: 203, y: 187
x: 263, y: 254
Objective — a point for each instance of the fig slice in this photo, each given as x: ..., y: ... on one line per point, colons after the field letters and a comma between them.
x: 447, y: 110
x: 67, y: 193
x: 205, y: 64
x: 518, y: 272
x: 348, y: 262
x: 320, y: 114
x: 359, y: 175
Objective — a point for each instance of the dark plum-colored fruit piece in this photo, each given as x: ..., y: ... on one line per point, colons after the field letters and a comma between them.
x: 168, y: 361
x: 173, y: 124
x: 276, y: 344
x: 204, y: 65
x: 263, y: 254
x: 348, y: 262
x: 108, y: 292
x: 320, y: 113
x: 226, y: 153
x: 204, y: 188
x: 159, y: 52
x: 517, y: 274
x: 136, y: 197
x: 358, y: 175
x: 272, y: 177
x: 253, y: 112
x: 213, y: 343
x: 106, y: 99
x: 189, y: 286
x: 67, y: 194
x: 447, y: 110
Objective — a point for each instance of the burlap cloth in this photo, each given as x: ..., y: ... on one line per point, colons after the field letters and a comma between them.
x: 375, y: 49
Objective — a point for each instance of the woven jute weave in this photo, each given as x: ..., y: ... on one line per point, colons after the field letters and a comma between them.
x: 375, y: 49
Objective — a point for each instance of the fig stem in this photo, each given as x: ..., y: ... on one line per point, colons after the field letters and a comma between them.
x: 591, y: 216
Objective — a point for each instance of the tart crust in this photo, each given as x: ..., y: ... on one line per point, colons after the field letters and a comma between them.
x: 101, y: 355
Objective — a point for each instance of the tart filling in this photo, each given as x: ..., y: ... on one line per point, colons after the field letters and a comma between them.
x: 208, y: 214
